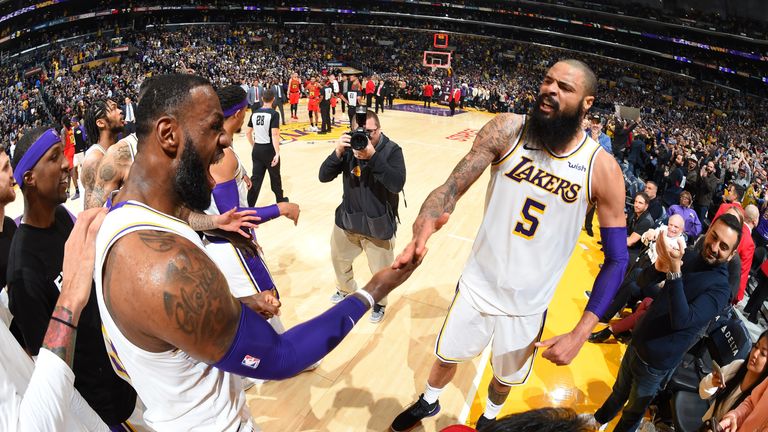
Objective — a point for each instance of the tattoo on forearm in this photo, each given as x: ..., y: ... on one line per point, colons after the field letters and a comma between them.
x: 95, y: 198
x: 89, y: 176
x: 60, y: 338
x: 201, y: 221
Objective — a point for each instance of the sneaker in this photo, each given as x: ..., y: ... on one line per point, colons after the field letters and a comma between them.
x: 600, y: 336
x: 76, y: 195
x: 313, y: 366
x: 590, y: 422
x: 483, y: 421
x: 248, y: 383
x: 414, y: 414
x: 378, y: 313
x: 624, y: 337
x: 337, y: 297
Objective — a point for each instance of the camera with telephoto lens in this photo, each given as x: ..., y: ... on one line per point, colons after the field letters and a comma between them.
x: 359, y: 137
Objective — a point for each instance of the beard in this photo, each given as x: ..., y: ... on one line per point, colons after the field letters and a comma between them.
x: 191, y: 180
x: 553, y: 132
x: 117, y: 128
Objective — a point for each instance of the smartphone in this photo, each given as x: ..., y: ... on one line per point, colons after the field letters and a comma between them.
x: 714, y: 425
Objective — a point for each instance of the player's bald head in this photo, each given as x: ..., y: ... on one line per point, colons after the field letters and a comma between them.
x: 590, y: 79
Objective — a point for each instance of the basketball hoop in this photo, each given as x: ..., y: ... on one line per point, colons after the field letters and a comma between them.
x: 434, y: 69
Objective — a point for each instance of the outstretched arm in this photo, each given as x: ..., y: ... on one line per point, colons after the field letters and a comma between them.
x: 187, y: 305
x: 608, y: 193
x: 490, y: 144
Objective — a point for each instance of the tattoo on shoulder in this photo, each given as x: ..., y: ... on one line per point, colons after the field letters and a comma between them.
x: 107, y: 172
x: 158, y: 241
x: 124, y: 153
x: 499, y: 133
x: 197, y: 306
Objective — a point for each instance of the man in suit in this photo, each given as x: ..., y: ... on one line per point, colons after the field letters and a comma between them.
x: 277, y: 87
x: 129, y: 110
x: 257, y: 91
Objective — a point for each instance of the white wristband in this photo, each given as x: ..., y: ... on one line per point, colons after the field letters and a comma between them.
x: 367, y: 296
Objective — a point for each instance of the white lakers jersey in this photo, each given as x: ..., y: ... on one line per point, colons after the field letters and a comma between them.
x: 180, y: 393
x: 535, y: 207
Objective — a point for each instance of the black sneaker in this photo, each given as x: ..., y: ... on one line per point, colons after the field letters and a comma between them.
x: 600, y: 336
x: 414, y: 414
x: 624, y: 337
x: 482, y: 422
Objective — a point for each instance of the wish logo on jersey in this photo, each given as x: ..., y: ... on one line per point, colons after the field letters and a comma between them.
x: 528, y: 172
x: 251, y: 362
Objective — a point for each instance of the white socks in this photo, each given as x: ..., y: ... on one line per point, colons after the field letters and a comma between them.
x: 491, y: 409
x: 431, y: 394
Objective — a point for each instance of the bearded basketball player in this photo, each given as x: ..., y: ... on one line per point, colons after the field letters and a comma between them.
x: 545, y: 172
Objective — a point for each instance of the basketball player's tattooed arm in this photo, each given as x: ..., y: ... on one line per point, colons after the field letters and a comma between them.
x: 490, y: 144
x: 88, y: 178
x: 232, y: 220
x: 184, y: 299
x: 110, y: 174
x: 79, y: 255
x: 608, y: 194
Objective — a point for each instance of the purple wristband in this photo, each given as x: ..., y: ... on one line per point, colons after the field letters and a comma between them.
x: 267, y: 213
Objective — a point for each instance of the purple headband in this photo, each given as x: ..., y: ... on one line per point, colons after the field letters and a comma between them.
x: 34, y: 153
x: 229, y: 112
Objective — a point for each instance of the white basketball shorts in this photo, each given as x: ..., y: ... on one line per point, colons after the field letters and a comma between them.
x: 466, y: 332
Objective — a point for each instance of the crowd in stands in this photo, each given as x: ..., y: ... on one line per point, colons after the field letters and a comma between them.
x: 694, y: 148
x: 499, y: 75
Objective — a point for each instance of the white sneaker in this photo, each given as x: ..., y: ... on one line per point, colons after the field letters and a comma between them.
x: 377, y: 314
x: 337, y: 297
x: 591, y: 423
x: 313, y: 366
x: 248, y: 383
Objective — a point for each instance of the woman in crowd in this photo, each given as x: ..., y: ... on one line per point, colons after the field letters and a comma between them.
x: 684, y: 209
x: 739, y: 379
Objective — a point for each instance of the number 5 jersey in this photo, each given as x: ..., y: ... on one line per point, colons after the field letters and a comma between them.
x: 534, y: 210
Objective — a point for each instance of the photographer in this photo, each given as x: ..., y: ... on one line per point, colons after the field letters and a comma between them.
x: 366, y: 219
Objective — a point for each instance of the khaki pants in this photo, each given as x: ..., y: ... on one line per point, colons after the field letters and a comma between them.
x: 346, y: 246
